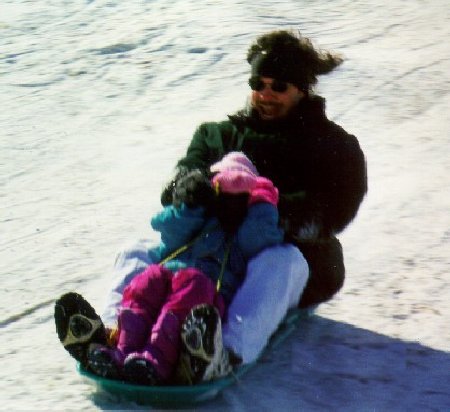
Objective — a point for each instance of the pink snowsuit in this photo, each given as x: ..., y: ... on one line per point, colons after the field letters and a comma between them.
x: 154, y: 305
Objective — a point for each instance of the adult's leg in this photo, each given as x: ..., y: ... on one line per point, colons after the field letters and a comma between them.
x: 274, y: 283
x: 131, y: 261
x: 327, y: 271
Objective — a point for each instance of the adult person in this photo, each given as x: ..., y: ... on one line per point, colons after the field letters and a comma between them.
x: 319, y: 168
x: 320, y: 172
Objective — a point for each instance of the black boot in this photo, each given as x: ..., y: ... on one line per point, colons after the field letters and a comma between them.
x: 202, y: 355
x: 105, y: 362
x: 78, y: 326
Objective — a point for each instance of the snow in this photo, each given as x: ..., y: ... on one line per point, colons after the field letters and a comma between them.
x: 100, y: 98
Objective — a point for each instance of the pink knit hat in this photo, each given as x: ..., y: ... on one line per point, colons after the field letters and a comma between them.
x: 235, y: 161
x: 235, y: 173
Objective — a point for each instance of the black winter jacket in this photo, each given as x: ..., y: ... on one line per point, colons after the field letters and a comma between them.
x: 319, y: 169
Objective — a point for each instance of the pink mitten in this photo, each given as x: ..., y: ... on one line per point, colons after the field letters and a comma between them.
x: 263, y: 191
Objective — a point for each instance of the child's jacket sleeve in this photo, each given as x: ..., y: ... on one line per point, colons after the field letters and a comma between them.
x: 177, y: 226
x: 260, y: 229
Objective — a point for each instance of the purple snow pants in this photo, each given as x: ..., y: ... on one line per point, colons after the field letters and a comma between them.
x: 154, y: 305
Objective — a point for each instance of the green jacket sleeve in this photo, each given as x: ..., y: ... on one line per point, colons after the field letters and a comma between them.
x: 205, y: 148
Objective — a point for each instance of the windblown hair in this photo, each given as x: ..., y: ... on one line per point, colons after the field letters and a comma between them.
x: 298, y: 50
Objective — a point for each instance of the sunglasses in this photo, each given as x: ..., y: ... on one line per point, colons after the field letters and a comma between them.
x: 278, y: 86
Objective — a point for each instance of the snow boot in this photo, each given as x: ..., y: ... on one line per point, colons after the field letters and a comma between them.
x: 140, y: 368
x: 132, y: 336
x: 202, y: 357
x: 78, y: 326
x: 156, y: 361
x: 106, y: 362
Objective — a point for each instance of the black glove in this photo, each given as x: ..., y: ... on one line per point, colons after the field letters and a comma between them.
x: 167, y: 193
x: 193, y: 189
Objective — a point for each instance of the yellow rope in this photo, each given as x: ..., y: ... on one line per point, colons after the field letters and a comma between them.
x: 224, y: 262
x: 189, y: 244
x: 177, y: 252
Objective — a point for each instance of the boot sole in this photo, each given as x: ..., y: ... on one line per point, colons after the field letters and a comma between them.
x: 78, y: 325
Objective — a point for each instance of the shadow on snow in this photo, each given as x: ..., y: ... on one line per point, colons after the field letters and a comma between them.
x: 327, y: 364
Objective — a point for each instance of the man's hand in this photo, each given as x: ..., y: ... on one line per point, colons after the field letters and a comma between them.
x: 193, y: 189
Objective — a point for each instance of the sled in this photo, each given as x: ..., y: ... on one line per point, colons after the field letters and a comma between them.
x: 179, y: 395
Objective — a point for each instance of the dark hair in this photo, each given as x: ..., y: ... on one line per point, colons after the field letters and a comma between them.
x: 289, y: 56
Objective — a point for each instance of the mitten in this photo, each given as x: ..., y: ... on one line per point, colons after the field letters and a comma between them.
x: 263, y: 191
x: 167, y: 193
x: 194, y: 189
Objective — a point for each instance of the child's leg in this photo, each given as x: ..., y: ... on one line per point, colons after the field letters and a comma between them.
x: 159, y: 357
x: 141, y: 303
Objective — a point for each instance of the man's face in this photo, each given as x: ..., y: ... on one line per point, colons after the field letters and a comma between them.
x: 272, y: 104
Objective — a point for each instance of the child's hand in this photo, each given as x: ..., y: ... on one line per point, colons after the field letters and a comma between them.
x: 263, y: 191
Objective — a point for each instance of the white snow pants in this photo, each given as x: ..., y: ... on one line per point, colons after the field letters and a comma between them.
x: 273, y: 284
x: 131, y: 261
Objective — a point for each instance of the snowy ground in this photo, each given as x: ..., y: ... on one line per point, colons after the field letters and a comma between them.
x: 100, y: 98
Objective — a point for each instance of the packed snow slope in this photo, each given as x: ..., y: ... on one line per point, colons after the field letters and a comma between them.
x: 99, y: 98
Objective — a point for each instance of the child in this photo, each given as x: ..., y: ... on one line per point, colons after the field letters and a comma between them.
x: 203, y: 256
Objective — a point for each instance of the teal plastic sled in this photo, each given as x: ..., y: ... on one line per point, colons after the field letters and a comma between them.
x: 185, y: 395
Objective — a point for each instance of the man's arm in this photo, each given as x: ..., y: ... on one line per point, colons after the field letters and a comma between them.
x: 330, y: 206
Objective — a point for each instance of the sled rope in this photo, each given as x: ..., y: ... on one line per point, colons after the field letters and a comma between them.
x: 222, y: 267
x: 180, y: 250
x: 183, y: 248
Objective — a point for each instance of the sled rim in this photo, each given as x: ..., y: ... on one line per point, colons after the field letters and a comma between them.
x: 170, y: 395
x: 176, y: 395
